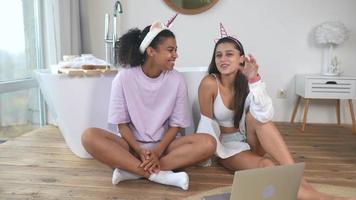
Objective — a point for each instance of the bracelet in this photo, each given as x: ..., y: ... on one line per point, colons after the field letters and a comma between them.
x: 254, y: 79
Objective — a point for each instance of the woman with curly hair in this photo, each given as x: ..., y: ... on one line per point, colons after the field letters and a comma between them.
x: 149, y: 105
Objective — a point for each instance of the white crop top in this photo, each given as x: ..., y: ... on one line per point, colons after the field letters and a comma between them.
x: 223, y: 115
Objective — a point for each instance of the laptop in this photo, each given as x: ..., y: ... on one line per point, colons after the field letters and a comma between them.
x: 271, y: 183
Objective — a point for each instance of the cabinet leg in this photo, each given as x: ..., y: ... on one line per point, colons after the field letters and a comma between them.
x: 306, y: 107
x: 338, y: 111
x: 352, y: 116
x: 295, y: 110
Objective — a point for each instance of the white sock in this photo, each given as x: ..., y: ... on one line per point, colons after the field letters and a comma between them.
x: 120, y: 175
x: 179, y: 179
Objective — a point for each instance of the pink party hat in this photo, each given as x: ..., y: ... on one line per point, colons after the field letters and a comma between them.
x: 223, y: 32
x: 170, y: 21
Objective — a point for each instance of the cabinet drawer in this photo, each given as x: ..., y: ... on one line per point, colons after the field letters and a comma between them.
x: 330, y: 88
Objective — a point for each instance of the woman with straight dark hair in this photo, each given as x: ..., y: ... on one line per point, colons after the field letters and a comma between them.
x: 237, y: 111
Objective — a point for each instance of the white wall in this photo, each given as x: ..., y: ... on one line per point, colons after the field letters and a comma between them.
x: 277, y: 32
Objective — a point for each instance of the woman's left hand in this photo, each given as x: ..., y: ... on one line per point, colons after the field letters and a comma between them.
x: 153, y: 165
x: 251, y: 67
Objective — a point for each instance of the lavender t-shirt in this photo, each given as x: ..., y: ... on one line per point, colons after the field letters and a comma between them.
x: 149, y: 105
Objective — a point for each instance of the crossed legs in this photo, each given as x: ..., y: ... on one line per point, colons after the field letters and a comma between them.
x: 115, y: 152
x: 188, y: 150
x: 111, y: 150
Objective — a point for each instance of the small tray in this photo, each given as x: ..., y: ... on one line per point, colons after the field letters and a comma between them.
x: 86, y: 72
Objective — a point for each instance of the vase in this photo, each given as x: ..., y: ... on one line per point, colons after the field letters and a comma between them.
x: 327, y: 54
x: 328, y: 68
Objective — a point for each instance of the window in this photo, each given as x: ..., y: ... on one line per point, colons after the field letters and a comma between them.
x: 19, y: 56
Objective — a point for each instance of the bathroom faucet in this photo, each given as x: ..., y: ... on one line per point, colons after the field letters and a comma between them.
x: 110, y: 43
x: 117, y: 10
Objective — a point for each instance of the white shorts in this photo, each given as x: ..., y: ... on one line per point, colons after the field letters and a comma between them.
x: 225, y: 148
x: 233, y: 137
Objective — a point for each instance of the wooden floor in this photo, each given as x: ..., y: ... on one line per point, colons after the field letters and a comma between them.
x: 38, y: 165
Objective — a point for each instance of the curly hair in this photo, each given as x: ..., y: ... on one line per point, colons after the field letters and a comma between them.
x: 128, y: 46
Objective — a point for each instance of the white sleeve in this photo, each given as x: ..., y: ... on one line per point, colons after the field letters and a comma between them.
x: 259, y: 102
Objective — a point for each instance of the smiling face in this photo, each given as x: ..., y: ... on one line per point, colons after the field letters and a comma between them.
x: 165, y: 54
x: 227, y: 58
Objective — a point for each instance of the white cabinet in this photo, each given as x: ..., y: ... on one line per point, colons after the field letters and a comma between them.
x: 326, y: 87
x: 315, y: 86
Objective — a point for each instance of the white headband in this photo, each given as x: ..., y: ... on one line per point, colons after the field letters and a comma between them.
x: 155, y: 29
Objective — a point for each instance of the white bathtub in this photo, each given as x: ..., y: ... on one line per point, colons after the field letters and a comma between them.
x: 82, y: 102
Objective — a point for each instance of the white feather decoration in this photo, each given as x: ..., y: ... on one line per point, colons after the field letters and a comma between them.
x: 331, y: 32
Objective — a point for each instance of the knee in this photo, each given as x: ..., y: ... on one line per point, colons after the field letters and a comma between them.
x: 265, y: 162
x: 88, y: 136
x: 208, y: 143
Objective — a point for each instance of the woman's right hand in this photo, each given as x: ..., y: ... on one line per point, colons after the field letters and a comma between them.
x: 143, y: 154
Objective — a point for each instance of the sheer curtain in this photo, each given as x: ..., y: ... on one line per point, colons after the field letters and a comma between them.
x: 61, y: 29
x: 60, y: 32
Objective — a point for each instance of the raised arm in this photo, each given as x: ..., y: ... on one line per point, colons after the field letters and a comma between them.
x: 258, y: 100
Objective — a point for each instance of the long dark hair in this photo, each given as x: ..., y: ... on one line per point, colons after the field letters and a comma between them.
x: 241, y: 82
x: 128, y: 46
